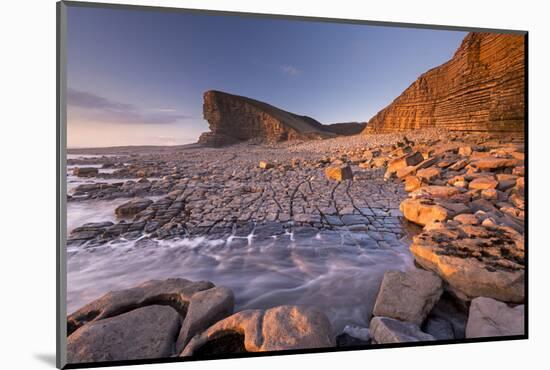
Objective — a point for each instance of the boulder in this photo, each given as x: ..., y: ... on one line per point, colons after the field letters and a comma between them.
x: 436, y: 192
x: 205, y: 309
x: 403, y: 172
x: 85, y: 171
x: 519, y: 171
x: 474, y: 261
x: 132, y: 207
x: 492, y: 163
x: 520, y: 184
x: 426, y: 163
x: 412, y: 183
x: 465, y: 150
x: 423, y: 211
x: 458, y: 165
x: 489, y: 194
x: 275, y: 329
x: 408, y: 296
x: 467, y: 219
x: 339, y: 173
x: 379, y: 162
x: 143, y: 333
x: 483, y: 183
x: 177, y: 293
x: 266, y: 165
x: 428, y: 174
x: 491, y: 318
x: 387, y: 330
x: 408, y: 160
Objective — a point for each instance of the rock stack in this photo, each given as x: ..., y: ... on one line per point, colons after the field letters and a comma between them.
x: 234, y: 118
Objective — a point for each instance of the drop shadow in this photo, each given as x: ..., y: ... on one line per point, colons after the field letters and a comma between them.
x: 46, y: 358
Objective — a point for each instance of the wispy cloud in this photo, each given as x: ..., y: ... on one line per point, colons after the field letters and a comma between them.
x: 101, y: 108
x: 290, y: 70
x: 164, y: 110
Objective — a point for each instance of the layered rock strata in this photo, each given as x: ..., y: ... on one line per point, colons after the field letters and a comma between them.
x: 480, y: 89
x: 234, y: 118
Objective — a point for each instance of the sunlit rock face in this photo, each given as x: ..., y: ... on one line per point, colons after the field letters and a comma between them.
x: 235, y: 118
x: 480, y: 89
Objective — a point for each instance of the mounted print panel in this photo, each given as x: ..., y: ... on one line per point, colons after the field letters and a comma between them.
x: 237, y: 184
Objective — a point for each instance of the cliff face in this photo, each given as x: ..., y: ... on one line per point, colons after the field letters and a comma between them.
x: 234, y: 118
x: 480, y: 89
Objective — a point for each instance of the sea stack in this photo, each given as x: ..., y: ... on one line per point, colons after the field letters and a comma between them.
x: 234, y: 118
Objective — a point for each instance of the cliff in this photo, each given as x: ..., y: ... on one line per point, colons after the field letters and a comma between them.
x: 234, y: 118
x: 480, y: 89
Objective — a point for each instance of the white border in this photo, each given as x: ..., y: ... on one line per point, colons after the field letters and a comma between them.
x: 28, y: 182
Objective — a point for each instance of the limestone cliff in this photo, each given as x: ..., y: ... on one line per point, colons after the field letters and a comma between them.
x: 234, y: 118
x: 480, y: 89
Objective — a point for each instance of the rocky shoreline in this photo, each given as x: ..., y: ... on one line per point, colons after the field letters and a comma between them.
x: 457, y: 199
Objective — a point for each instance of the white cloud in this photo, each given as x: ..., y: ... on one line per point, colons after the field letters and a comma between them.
x: 290, y: 70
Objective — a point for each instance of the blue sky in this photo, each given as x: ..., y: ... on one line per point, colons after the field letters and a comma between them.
x: 137, y: 77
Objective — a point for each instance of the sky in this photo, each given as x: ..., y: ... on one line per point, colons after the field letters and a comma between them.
x: 137, y: 77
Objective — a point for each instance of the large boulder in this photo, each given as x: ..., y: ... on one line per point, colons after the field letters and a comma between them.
x: 474, y: 260
x: 275, y: 329
x: 175, y: 292
x: 491, y: 318
x: 423, y: 211
x: 199, y: 305
x: 205, y: 308
x: 143, y: 333
x: 387, y: 330
x: 408, y: 296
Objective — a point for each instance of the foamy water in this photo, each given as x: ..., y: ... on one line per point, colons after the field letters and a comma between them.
x: 337, y: 272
